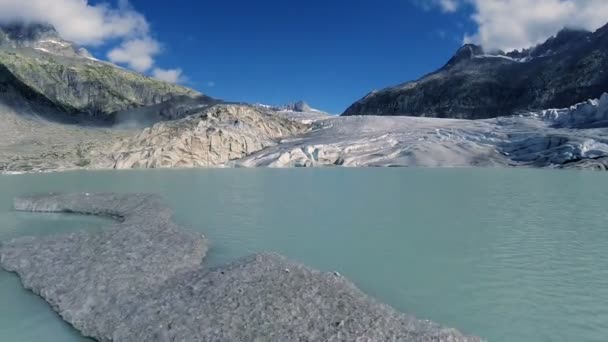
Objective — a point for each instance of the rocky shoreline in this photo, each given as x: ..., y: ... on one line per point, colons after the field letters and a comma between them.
x: 143, y: 279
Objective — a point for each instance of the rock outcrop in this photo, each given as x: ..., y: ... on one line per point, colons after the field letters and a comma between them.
x: 94, y: 280
x: 474, y: 84
x: 39, y: 36
x: 142, y: 280
x: 211, y: 137
x: 299, y: 106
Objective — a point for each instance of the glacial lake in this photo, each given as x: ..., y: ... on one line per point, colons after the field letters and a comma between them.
x: 505, y: 254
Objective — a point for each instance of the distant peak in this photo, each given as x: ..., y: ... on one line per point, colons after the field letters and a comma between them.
x: 466, y: 52
x: 28, y: 31
x: 567, y: 34
x: 39, y: 36
x: 299, y: 106
x: 562, y: 42
x: 602, y: 30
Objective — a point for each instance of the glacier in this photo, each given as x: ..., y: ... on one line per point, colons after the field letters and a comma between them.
x: 560, y: 138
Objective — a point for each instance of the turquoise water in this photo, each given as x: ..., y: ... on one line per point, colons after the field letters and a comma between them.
x: 509, y: 255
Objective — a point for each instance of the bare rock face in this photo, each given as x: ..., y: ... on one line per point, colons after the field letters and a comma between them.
x: 212, y: 137
x: 142, y: 280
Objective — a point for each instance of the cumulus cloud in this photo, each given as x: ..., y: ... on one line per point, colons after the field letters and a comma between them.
x: 138, y: 54
x: 78, y: 21
x: 169, y: 75
x: 517, y: 24
x: 92, y: 25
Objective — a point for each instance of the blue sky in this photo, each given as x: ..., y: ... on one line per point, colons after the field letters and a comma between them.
x: 329, y: 53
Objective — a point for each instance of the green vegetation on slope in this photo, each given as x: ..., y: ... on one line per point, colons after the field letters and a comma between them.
x: 85, y: 85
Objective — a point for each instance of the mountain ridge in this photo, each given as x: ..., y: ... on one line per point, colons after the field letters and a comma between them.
x: 299, y: 106
x: 77, y: 84
x: 565, y: 69
x: 39, y: 36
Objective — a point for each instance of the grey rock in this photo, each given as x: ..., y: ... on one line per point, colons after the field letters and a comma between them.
x: 213, y: 136
x: 477, y: 84
x: 141, y: 280
x: 254, y: 299
x: 299, y: 106
x: 94, y: 280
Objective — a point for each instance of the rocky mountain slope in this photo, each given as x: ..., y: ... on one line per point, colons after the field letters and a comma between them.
x: 64, y: 75
x: 568, y: 68
x: 29, y: 142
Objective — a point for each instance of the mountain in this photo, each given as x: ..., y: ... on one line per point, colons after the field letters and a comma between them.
x: 475, y: 84
x: 42, y: 37
x: 298, y: 107
x: 36, y: 64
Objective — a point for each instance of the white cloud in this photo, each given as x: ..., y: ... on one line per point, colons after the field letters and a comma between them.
x: 448, y: 6
x: 516, y: 24
x: 90, y: 25
x: 138, y: 54
x: 78, y: 21
x: 169, y: 75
